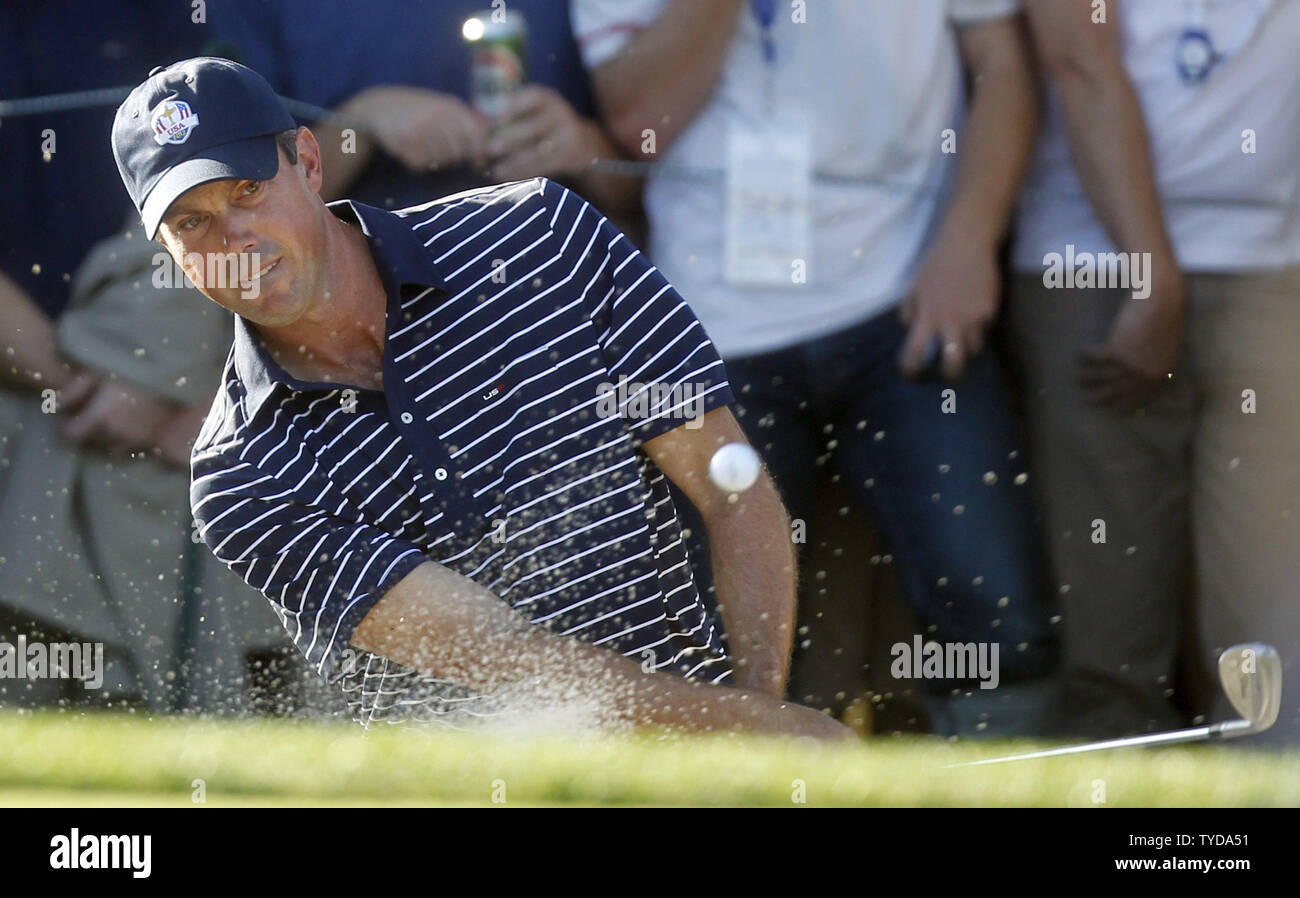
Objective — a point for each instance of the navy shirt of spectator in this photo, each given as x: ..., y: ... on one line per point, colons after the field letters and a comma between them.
x: 326, y: 51
x: 54, y: 211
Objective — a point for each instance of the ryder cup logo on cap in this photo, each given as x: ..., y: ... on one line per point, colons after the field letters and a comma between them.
x: 173, y: 121
x: 161, y: 151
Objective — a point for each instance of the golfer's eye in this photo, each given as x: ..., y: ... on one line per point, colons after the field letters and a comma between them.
x: 190, y: 224
x: 252, y: 187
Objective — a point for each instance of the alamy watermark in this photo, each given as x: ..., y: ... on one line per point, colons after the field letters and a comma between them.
x: 53, y: 661
x: 637, y: 401
x: 219, y: 270
x: 1128, y: 271
x: 946, y: 661
x: 77, y: 851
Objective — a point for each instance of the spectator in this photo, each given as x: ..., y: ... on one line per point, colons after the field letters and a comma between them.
x: 1164, y: 427
x: 95, y: 418
x: 403, y: 76
x: 54, y: 161
x: 98, y: 546
x: 886, y: 247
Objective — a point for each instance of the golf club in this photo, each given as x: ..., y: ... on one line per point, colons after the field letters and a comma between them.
x: 1251, y: 675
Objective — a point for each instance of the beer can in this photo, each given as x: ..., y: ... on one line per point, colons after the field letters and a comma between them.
x: 498, y: 58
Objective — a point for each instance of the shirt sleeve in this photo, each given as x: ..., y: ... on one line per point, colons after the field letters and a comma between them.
x: 972, y: 12
x: 663, y: 369
x: 321, y: 571
x: 602, y: 27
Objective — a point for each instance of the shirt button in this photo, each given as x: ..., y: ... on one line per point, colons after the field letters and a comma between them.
x: 440, y: 474
x: 407, y: 417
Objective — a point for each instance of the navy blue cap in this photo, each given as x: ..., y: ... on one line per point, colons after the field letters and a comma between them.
x: 198, y: 120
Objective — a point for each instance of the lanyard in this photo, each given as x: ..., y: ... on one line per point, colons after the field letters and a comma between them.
x: 765, y: 12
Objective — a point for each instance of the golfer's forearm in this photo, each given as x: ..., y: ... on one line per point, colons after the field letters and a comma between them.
x: 754, y: 575
x: 1104, y: 124
x: 665, y: 74
x: 998, y: 133
x: 444, y: 624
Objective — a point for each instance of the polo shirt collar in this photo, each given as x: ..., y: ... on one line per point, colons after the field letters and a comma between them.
x: 400, y: 257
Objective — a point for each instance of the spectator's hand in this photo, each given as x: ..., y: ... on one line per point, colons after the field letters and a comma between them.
x: 1125, y: 371
x: 116, y: 417
x: 955, y: 298
x: 78, y: 388
x: 539, y: 134
x: 421, y: 128
x: 175, y: 438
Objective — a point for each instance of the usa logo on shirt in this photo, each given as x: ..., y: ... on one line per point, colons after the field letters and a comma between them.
x: 173, y: 121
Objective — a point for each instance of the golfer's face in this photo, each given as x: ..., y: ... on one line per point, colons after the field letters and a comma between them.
x: 253, y: 247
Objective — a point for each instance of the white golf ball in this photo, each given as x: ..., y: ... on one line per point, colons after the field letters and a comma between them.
x: 734, y: 467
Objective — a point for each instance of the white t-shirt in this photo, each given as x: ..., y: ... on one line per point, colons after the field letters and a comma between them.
x: 881, y: 82
x: 1225, y: 209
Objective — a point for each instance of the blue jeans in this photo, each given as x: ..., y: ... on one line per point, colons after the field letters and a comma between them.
x: 941, y: 487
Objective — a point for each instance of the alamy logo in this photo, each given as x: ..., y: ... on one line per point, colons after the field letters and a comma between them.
x: 1128, y: 271
x: 946, y: 661
x: 77, y: 852
x: 54, y: 661
x: 217, y: 271
x: 637, y: 401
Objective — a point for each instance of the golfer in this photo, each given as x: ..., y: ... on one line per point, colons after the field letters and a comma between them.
x: 411, y: 454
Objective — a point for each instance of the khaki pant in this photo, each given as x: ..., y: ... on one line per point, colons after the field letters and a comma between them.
x: 1199, y: 495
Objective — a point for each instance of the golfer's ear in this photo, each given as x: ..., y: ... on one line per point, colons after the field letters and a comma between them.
x: 309, y: 159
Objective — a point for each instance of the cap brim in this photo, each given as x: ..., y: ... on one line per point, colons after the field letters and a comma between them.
x: 254, y: 158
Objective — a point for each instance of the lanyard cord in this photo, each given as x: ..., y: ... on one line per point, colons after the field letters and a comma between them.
x: 765, y: 12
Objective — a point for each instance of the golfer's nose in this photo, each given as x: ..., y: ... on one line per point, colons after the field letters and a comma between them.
x: 238, y: 236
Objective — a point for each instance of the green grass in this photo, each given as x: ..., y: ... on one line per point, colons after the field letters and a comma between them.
x: 112, y: 760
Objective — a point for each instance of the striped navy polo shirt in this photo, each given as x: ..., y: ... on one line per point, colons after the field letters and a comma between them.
x: 510, y: 309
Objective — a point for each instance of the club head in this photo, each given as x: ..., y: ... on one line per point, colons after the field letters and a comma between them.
x: 1251, y: 674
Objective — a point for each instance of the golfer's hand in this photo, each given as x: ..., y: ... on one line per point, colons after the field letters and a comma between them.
x: 694, y: 707
x: 422, y: 128
x: 539, y: 134
x: 805, y: 721
x: 1125, y: 371
x: 955, y: 299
